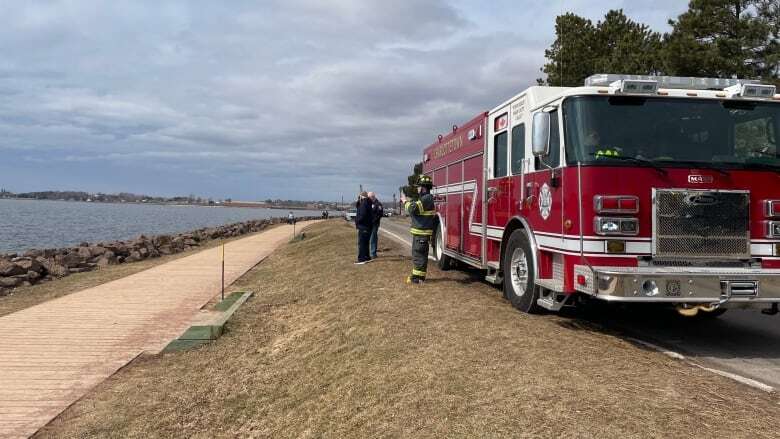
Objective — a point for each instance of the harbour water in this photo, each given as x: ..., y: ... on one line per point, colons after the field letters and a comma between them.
x: 38, y: 224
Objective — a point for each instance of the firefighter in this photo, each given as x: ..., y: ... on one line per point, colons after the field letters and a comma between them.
x: 593, y: 143
x: 608, y: 152
x: 423, y: 215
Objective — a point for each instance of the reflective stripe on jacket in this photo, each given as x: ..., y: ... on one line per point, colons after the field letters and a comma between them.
x: 423, y: 215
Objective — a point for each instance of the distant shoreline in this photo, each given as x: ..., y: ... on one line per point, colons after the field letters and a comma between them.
x: 154, y: 203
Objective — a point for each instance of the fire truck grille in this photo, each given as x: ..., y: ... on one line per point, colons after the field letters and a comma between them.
x: 701, y: 224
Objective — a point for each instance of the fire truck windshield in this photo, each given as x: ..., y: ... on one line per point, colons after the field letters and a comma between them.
x: 727, y: 134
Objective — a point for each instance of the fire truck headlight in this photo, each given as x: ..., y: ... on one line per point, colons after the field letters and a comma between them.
x: 629, y: 226
x: 773, y: 231
x: 607, y: 226
x: 615, y: 226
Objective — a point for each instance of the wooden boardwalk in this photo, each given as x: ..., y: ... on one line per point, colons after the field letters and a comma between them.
x: 54, y: 353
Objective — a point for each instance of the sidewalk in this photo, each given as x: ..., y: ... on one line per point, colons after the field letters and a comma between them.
x: 54, y: 353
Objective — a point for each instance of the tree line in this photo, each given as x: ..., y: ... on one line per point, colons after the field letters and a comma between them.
x: 713, y: 38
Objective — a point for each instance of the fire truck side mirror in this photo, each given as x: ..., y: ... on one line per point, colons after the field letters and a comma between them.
x: 540, y: 139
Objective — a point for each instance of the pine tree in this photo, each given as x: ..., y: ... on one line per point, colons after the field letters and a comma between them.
x: 625, y: 46
x: 571, y: 54
x: 769, y: 12
x: 723, y: 38
x: 615, y: 45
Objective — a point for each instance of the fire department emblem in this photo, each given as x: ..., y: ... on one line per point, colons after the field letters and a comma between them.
x: 545, y: 201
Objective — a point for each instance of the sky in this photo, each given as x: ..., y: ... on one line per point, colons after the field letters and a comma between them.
x: 290, y: 99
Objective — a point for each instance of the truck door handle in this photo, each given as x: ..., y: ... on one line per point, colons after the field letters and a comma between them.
x: 529, y: 195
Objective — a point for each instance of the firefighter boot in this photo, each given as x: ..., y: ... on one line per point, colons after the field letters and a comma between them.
x: 414, y: 280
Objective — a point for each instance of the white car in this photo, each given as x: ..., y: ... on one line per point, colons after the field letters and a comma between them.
x: 350, y: 214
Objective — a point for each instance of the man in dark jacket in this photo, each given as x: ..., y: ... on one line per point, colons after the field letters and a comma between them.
x: 364, y: 222
x: 379, y: 212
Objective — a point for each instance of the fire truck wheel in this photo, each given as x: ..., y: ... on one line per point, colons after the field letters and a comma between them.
x: 443, y: 261
x: 517, y: 265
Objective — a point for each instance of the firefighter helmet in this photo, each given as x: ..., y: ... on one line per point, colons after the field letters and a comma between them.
x: 425, y: 181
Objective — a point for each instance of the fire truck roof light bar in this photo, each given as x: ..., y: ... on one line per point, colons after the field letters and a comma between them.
x: 751, y: 90
x: 678, y: 82
x: 643, y: 86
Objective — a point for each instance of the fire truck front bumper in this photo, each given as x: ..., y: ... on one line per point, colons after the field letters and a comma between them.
x: 679, y: 285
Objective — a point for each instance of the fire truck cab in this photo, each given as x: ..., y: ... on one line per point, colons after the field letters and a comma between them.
x: 627, y: 189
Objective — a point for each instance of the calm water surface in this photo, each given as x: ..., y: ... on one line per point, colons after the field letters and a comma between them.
x: 28, y: 224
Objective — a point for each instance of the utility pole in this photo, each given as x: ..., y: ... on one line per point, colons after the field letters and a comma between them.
x: 393, y: 198
x: 400, y: 195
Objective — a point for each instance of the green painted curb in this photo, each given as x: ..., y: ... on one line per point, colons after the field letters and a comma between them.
x: 199, y: 335
x: 229, y: 301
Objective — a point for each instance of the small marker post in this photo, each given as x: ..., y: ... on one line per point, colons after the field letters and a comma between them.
x: 223, y: 271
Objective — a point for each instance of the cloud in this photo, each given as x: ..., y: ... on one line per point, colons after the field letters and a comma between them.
x: 244, y: 99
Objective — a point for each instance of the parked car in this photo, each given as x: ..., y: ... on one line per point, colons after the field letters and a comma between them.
x: 351, y: 214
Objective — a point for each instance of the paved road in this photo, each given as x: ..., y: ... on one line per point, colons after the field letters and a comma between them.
x: 744, y: 342
x: 54, y: 353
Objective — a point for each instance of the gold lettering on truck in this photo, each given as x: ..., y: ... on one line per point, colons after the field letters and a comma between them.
x: 447, y: 147
x: 518, y: 108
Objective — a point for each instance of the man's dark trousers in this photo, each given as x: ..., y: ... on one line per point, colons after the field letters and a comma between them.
x: 374, y: 239
x: 364, y: 236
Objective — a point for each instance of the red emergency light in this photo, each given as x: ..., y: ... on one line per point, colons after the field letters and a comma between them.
x: 772, y: 208
x: 626, y: 204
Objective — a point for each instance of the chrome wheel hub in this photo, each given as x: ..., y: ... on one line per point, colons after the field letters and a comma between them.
x: 518, y: 271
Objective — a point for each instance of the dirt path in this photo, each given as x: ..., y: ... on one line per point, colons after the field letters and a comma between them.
x: 54, y: 353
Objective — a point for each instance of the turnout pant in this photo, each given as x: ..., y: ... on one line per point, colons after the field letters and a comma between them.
x: 420, y: 244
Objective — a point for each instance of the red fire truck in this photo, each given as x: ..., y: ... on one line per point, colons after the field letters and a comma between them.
x: 627, y: 189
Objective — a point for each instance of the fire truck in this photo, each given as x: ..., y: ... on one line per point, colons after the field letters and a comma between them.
x: 651, y: 189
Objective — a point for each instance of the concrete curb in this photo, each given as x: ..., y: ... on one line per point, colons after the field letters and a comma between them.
x: 733, y: 376
x: 198, y: 335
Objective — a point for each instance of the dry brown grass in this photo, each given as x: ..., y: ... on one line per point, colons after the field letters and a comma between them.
x: 26, y: 297
x: 329, y: 349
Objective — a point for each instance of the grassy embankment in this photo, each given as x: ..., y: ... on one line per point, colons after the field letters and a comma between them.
x: 329, y: 349
x: 25, y: 297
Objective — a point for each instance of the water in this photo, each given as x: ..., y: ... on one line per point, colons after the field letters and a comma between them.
x: 37, y: 224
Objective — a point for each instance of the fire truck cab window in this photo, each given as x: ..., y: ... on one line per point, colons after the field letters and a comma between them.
x: 518, y: 148
x: 553, y: 159
x: 499, y: 155
x: 629, y: 130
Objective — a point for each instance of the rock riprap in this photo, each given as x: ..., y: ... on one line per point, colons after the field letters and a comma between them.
x: 36, y: 266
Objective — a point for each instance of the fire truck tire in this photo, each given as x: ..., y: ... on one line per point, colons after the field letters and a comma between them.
x: 443, y: 261
x: 517, y: 265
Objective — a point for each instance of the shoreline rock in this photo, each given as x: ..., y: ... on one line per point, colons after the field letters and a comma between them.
x: 43, y: 265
